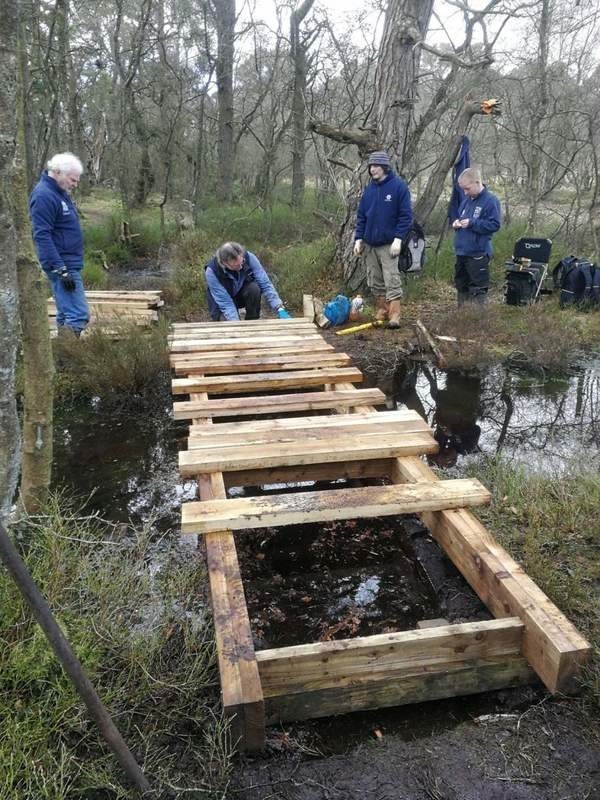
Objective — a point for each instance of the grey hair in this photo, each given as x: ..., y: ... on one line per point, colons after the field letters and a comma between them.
x: 229, y: 250
x: 471, y: 173
x: 65, y: 162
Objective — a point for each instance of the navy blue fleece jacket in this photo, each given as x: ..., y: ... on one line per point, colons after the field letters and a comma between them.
x: 55, y: 225
x: 384, y: 212
x: 485, y: 216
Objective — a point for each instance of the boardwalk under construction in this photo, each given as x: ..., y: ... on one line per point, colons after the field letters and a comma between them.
x: 295, y: 411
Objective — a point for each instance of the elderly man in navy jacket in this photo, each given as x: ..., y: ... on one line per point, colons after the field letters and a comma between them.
x: 383, y: 220
x: 479, y: 217
x: 59, y: 240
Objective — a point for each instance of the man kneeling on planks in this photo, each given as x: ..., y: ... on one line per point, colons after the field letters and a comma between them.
x: 236, y: 279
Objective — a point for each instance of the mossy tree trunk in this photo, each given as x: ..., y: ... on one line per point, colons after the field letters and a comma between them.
x: 298, y: 47
x: 38, y: 368
x: 224, y: 15
x: 9, y: 421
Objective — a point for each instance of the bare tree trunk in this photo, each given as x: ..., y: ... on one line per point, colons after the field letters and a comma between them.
x: 298, y: 53
x: 537, y: 116
x: 224, y: 11
x: 9, y: 421
x: 38, y: 366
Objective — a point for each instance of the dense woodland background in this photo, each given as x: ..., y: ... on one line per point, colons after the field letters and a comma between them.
x: 200, y: 101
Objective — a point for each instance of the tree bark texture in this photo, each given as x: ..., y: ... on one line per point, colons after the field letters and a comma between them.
x: 298, y: 54
x: 225, y: 22
x: 38, y: 367
x: 397, y: 76
x: 9, y: 422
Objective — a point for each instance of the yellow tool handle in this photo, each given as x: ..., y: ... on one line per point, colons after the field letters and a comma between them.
x: 365, y: 326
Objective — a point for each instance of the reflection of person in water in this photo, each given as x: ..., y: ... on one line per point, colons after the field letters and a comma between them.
x: 455, y: 419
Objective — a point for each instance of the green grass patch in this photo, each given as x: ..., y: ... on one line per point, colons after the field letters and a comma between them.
x: 132, y: 607
x: 305, y: 269
x: 550, y: 525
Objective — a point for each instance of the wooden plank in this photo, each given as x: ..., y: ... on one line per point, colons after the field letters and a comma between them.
x: 238, y: 333
x: 276, y: 404
x: 319, y: 665
x: 245, y: 323
x: 214, y: 365
x: 240, y: 681
x: 463, y: 678
x: 551, y: 644
x: 295, y: 508
x: 265, y: 381
x: 231, y: 457
x: 314, y: 349
x: 341, y: 433
x: 337, y: 421
x: 330, y: 471
x: 249, y: 343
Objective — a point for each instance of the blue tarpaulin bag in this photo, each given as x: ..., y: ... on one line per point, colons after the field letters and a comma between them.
x: 337, y: 310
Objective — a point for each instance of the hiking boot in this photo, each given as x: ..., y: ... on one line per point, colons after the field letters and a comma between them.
x: 394, y: 312
x: 381, y: 305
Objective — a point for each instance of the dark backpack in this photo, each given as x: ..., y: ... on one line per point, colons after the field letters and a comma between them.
x: 412, y: 254
x: 578, y: 281
x: 523, y: 286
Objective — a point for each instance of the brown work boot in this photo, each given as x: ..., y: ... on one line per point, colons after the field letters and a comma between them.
x: 394, y: 314
x: 381, y: 304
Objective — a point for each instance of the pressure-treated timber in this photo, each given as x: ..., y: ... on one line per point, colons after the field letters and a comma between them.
x: 240, y: 681
x: 330, y: 471
x: 325, y: 678
x: 247, y: 324
x: 552, y: 645
x: 359, y: 422
x: 307, y: 451
x: 276, y: 404
x: 265, y: 381
x: 267, y: 332
x: 440, y: 681
x: 392, y: 431
x: 277, y: 349
x: 386, y: 655
x: 243, y: 343
x: 219, y: 365
x: 295, y: 508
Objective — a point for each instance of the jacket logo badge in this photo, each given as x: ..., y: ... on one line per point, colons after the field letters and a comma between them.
x: 388, y: 198
x: 477, y: 212
x: 65, y: 207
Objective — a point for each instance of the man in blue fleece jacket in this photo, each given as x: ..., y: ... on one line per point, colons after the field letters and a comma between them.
x: 479, y: 217
x: 59, y: 239
x: 236, y: 279
x: 383, y: 220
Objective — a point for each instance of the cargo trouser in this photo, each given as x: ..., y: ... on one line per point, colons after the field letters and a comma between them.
x: 472, y: 278
x: 383, y: 276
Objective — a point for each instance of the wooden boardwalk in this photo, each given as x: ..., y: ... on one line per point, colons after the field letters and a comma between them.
x: 280, y: 367
x: 110, y: 307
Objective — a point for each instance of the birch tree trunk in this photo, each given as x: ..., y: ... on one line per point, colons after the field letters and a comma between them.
x: 9, y: 422
x: 38, y: 367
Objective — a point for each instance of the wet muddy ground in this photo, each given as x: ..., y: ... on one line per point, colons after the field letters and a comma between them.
x: 311, y: 583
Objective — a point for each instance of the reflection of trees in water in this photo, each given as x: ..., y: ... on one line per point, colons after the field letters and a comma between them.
x: 498, y: 410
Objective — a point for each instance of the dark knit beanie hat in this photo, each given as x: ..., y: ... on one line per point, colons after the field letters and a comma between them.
x: 379, y: 158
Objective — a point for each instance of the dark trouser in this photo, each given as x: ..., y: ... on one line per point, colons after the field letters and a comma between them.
x: 249, y: 298
x: 472, y: 278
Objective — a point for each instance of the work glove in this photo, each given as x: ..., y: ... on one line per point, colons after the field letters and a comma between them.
x: 283, y: 314
x: 67, y: 280
x: 358, y: 247
x: 395, y: 247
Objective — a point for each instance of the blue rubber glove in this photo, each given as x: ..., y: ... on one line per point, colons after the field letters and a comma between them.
x: 283, y: 314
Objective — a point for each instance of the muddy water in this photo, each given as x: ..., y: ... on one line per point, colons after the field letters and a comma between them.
x: 352, y: 578
x: 544, y: 423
